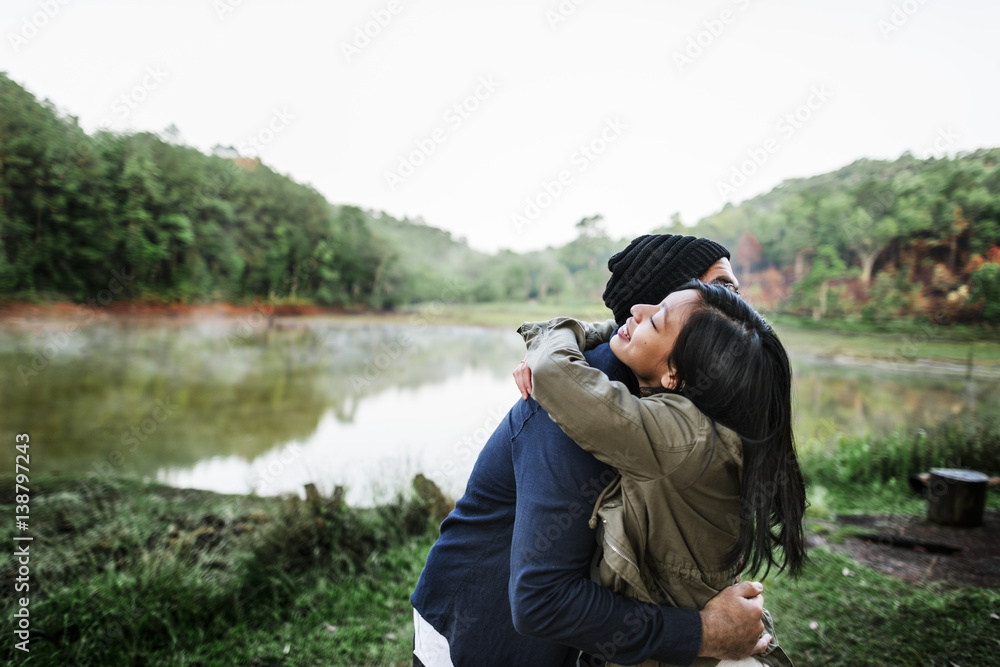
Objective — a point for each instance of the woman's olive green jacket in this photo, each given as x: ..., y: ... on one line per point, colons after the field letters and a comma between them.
x: 668, y: 521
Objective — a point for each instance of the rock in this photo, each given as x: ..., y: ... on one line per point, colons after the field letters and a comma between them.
x: 438, y: 505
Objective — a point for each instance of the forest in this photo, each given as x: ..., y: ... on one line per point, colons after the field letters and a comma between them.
x: 152, y: 220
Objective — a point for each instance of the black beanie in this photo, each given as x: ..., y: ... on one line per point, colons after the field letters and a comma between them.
x: 653, y: 266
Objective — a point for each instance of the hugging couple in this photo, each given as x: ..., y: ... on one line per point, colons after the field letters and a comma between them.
x: 650, y: 462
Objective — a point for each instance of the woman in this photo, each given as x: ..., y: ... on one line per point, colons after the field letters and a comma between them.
x: 709, y: 482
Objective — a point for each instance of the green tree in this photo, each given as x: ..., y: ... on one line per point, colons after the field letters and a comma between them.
x: 814, y: 290
x: 870, y: 225
x: 986, y: 290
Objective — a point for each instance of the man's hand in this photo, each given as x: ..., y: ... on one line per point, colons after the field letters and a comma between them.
x: 730, y: 623
x: 522, y: 378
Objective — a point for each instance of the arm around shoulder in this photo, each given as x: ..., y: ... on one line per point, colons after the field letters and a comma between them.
x: 643, y: 437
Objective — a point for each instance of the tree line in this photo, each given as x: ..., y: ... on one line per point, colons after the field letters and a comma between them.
x: 74, y: 208
x: 175, y: 224
x: 876, y: 239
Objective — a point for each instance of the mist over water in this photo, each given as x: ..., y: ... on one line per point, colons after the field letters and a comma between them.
x: 231, y: 408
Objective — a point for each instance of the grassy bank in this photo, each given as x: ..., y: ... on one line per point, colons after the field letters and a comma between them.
x: 882, y: 465
x: 132, y: 573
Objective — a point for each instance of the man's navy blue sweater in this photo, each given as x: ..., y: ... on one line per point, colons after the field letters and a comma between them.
x: 508, y: 581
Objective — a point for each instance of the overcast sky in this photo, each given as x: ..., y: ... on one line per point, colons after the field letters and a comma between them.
x: 506, y: 122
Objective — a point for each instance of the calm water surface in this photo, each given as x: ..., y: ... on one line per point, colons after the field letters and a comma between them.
x: 232, y: 406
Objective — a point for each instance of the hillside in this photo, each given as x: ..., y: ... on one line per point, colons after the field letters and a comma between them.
x: 136, y: 217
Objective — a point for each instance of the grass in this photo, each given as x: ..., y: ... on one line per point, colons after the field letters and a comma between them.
x: 362, y: 620
x: 856, y: 474
x: 900, y: 348
x: 125, y: 572
x: 914, y: 327
x: 839, y: 613
x: 131, y: 573
x: 959, y: 442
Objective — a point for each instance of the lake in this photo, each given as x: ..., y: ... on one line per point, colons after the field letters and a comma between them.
x: 242, y: 404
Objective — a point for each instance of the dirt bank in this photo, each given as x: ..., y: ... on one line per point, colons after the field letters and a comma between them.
x: 919, y: 551
x: 20, y: 316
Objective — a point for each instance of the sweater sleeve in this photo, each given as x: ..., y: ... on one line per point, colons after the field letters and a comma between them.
x: 645, y: 438
x: 599, y: 332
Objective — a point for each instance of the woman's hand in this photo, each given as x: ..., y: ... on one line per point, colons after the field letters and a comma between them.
x: 522, y: 378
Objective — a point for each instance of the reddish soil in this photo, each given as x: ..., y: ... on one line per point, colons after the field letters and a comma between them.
x: 17, y: 315
x: 975, y: 563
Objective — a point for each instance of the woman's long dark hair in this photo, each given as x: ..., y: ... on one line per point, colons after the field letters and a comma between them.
x: 731, y: 365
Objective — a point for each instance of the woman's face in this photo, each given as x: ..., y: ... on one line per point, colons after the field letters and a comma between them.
x: 644, y: 342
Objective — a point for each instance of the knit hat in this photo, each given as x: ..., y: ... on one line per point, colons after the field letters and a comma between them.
x: 653, y: 266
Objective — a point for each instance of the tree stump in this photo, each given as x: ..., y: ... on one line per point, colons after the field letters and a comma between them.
x: 956, y: 497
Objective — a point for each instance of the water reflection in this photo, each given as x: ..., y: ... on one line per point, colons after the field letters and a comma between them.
x: 860, y: 397
x: 366, y: 406
x: 437, y: 428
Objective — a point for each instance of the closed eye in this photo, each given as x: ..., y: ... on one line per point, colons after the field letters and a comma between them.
x: 652, y: 320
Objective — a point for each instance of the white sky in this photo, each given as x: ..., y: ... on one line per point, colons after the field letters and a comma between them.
x: 231, y: 69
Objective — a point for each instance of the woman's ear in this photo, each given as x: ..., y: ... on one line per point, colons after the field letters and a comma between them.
x: 669, y: 380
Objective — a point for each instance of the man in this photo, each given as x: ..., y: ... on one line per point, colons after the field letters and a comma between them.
x: 508, y: 582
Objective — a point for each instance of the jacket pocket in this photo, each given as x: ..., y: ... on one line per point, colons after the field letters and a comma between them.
x: 619, y: 562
